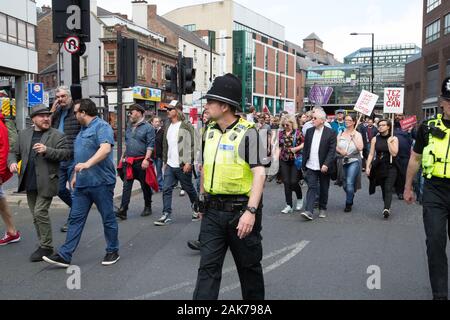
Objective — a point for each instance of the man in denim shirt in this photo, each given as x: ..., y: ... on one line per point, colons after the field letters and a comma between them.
x: 93, y: 182
x: 139, y: 145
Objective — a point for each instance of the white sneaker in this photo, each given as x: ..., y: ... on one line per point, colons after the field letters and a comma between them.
x: 299, y: 205
x: 287, y: 210
x: 182, y: 193
x: 322, y: 214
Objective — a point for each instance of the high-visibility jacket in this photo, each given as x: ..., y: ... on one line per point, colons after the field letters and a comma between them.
x: 225, y: 172
x: 436, y: 155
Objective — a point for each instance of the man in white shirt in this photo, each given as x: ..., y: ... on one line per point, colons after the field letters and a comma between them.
x: 319, y: 154
x: 178, y: 159
x: 310, y: 124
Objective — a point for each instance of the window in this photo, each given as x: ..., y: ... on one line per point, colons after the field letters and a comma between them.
x: 154, y: 70
x: 110, y: 61
x: 447, y: 24
x: 3, y: 28
x: 22, y: 33
x: 448, y: 68
x: 205, y: 80
x: 195, y: 55
x: 266, y: 59
x: 31, y: 36
x: 433, y: 81
x: 85, y: 67
x: 432, y: 4
x: 141, y: 67
x: 191, y: 27
x: 12, y: 30
x: 184, y: 50
x: 432, y: 32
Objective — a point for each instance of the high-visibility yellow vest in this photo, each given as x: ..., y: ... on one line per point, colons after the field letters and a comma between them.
x: 436, y: 155
x: 225, y: 172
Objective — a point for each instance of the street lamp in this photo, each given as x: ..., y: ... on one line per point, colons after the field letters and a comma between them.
x: 373, y: 52
x: 210, y: 55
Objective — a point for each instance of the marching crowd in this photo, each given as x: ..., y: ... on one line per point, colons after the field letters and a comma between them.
x: 68, y: 153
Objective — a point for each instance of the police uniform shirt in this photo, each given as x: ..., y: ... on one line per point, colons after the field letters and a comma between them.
x: 422, y: 137
x: 250, y: 149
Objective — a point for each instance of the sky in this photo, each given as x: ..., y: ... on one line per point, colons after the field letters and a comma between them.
x: 392, y: 21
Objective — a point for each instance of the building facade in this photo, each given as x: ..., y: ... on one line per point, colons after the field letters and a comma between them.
x: 257, y: 53
x: 98, y: 66
x: 425, y: 73
x: 355, y: 75
x: 188, y: 43
x: 18, y: 55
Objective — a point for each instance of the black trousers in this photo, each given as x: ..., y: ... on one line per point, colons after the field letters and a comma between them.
x: 291, y: 178
x: 217, y: 233
x: 436, y: 210
x: 138, y: 174
x: 387, y: 187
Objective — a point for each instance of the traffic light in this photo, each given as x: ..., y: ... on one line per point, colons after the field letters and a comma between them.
x: 187, y: 76
x: 172, y: 76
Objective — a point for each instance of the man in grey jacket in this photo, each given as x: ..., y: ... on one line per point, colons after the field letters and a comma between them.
x: 41, y: 149
x: 178, y: 159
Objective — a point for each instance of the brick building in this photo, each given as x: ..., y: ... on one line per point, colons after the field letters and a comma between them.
x: 425, y: 73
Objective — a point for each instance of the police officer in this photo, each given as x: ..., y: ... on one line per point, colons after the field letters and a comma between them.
x: 233, y: 178
x: 431, y: 151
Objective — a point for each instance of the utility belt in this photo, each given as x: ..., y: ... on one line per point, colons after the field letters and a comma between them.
x: 226, y: 203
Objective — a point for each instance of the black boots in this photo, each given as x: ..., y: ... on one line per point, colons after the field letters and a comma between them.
x: 121, y: 214
x: 147, y: 212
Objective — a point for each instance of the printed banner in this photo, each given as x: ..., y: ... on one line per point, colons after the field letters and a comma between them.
x: 408, y: 123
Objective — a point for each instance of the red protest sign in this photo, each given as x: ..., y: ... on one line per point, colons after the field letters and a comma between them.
x: 193, y: 116
x: 408, y: 123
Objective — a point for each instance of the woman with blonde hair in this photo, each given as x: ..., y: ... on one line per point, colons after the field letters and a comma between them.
x: 290, y: 143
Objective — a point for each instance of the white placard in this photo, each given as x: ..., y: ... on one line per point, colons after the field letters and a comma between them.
x: 394, y: 100
x: 366, y: 103
x: 289, y: 107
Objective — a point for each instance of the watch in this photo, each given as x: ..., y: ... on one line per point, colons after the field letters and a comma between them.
x: 252, y: 210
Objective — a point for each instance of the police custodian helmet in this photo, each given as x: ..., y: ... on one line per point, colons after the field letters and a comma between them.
x: 228, y: 89
x: 446, y: 89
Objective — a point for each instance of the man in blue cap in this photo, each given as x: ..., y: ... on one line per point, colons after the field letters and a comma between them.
x: 338, y: 125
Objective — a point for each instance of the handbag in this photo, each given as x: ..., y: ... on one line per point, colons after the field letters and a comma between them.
x: 298, y: 159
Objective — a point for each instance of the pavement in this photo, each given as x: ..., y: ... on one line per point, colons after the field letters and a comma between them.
x: 15, y: 199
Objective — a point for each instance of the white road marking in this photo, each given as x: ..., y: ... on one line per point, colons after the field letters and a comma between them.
x: 295, y: 250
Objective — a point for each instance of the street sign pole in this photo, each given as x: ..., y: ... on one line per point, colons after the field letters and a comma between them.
x: 75, y: 88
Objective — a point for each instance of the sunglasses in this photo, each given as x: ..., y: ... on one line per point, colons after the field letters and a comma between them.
x: 170, y: 108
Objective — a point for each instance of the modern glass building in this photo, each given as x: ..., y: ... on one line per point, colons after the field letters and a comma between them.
x: 355, y: 75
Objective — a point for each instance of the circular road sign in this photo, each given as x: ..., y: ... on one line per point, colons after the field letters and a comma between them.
x: 72, y: 44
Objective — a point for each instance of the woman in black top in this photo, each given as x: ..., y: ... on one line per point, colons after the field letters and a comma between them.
x: 381, y: 163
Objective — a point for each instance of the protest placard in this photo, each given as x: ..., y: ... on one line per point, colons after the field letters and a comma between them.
x: 366, y: 103
x: 408, y: 123
x: 394, y: 100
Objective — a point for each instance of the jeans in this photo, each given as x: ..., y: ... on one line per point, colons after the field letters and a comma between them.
x: 351, y: 171
x: 291, y: 178
x: 158, y: 166
x: 65, y: 175
x: 318, y: 184
x: 217, y: 233
x: 436, y: 218
x: 171, y: 178
x: 83, y: 198
x: 138, y: 174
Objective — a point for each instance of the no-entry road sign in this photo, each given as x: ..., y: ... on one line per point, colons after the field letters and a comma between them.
x: 72, y: 44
